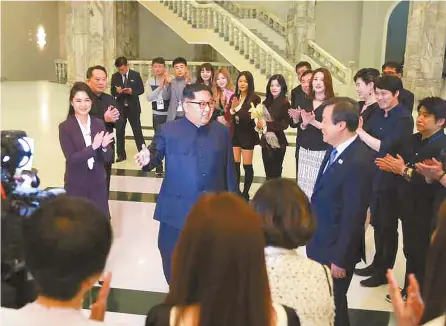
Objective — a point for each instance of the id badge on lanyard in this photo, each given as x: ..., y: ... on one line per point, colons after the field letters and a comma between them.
x: 180, y: 107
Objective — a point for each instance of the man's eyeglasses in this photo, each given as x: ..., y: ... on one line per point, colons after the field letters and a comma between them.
x: 203, y: 105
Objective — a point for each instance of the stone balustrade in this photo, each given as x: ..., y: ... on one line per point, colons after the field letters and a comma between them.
x: 227, y: 26
x: 144, y: 67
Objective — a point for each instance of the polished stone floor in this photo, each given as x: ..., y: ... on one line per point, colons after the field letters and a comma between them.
x: 138, y: 282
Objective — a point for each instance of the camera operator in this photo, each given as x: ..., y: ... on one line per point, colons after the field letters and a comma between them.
x: 66, y: 244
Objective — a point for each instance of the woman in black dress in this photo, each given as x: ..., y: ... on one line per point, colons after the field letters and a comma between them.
x: 365, y: 87
x: 244, y: 135
x: 273, y: 139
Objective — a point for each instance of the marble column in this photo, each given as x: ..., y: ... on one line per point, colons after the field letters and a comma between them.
x: 127, y: 29
x: 425, y: 48
x: 300, y: 28
x: 90, y: 37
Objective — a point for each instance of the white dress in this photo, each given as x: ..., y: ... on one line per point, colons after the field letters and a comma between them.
x: 302, y: 284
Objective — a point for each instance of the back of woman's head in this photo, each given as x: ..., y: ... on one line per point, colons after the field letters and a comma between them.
x: 219, y: 264
x: 435, y: 281
x: 287, y: 220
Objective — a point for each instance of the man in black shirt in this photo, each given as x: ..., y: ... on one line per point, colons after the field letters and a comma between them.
x: 405, y: 97
x: 103, y: 105
x: 389, y: 128
x: 297, y: 92
x: 418, y: 197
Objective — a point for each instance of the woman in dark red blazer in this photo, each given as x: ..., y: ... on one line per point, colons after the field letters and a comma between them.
x: 86, y: 146
x: 273, y: 140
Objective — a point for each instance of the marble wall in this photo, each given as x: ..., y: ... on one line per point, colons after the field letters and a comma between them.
x: 425, y: 48
x: 90, y: 36
x: 127, y: 29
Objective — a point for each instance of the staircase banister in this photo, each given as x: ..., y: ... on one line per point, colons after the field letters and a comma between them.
x: 274, y: 17
x: 247, y: 32
x: 332, y: 59
x: 189, y: 63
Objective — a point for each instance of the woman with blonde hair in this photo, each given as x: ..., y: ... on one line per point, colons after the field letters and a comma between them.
x: 223, y: 89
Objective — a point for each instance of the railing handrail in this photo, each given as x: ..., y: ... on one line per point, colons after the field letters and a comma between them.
x: 328, y: 55
x: 261, y: 10
x: 245, y: 30
x: 189, y: 63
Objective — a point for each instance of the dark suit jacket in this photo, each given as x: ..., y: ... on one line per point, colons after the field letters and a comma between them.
x: 135, y: 83
x: 197, y: 161
x: 77, y: 154
x: 406, y: 99
x: 296, y: 95
x: 340, y: 200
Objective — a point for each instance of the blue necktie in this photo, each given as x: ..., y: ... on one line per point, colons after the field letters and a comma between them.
x: 333, y: 154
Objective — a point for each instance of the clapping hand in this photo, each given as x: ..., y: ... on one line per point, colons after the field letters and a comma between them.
x: 128, y: 90
x: 391, y: 164
x: 407, y: 313
x: 307, y: 117
x: 111, y: 114
x: 143, y: 157
x: 118, y: 89
x: 187, y: 77
x: 97, y: 140
x: 431, y: 169
x: 294, y: 114
x: 99, y: 308
x: 235, y: 103
x: 107, y: 139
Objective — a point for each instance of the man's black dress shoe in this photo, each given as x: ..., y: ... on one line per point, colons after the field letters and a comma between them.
x: 367, y: 271
x: 374, y: 281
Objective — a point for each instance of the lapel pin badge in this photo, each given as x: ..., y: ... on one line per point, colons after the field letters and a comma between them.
x: 340, y: 161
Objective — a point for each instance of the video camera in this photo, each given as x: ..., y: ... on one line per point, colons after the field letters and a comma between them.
x: 20, y: 197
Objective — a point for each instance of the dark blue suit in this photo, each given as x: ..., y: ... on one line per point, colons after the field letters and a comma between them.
x: 340, y: 200
x: 197, y: 161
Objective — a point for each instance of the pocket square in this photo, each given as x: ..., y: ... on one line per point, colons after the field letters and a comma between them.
x: 131, y: 80
x: 340, y: 161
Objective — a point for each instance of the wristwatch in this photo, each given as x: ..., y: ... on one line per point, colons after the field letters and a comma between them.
x: 407, y: 174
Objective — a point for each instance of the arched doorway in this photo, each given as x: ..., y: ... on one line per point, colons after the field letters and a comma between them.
x: 396, y: 32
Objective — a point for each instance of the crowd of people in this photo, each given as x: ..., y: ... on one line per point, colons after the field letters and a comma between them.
x: 230, y: 259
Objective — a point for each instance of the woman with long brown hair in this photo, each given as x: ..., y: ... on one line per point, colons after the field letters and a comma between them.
x: 222, y: 89
x: 311, y: 145
x: 219, y: 276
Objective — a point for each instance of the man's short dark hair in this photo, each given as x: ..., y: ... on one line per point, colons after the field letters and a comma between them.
x: 303, y: 64
x: 287, y: 220
x: 190, y: 90
x: 66, y: 241
x: 344, y: 109
x: 389, y: 83
x: 179, y: 60
x: 159, y: 60
x: 392, y: 64
x: 91, y: 69
x: 435, y: 106
x: 121, y: 61
x: 306, y: 72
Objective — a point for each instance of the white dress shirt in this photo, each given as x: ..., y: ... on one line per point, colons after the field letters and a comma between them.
x: 86, y: 132
x: 38, y: 315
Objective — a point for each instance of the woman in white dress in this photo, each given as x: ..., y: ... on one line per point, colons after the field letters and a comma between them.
x: 295, y: 280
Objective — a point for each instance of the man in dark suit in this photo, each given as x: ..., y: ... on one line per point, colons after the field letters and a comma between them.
x: 126, y: 86
x: 406, y: 98
x: 297, y: 93
x: 199, y: 159
x: 103, y: 106
x: 340, y: 199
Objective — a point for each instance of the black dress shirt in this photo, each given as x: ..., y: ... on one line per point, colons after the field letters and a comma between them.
x: 368, y: 113
x: 392, y: 130
x: 311, y: 138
